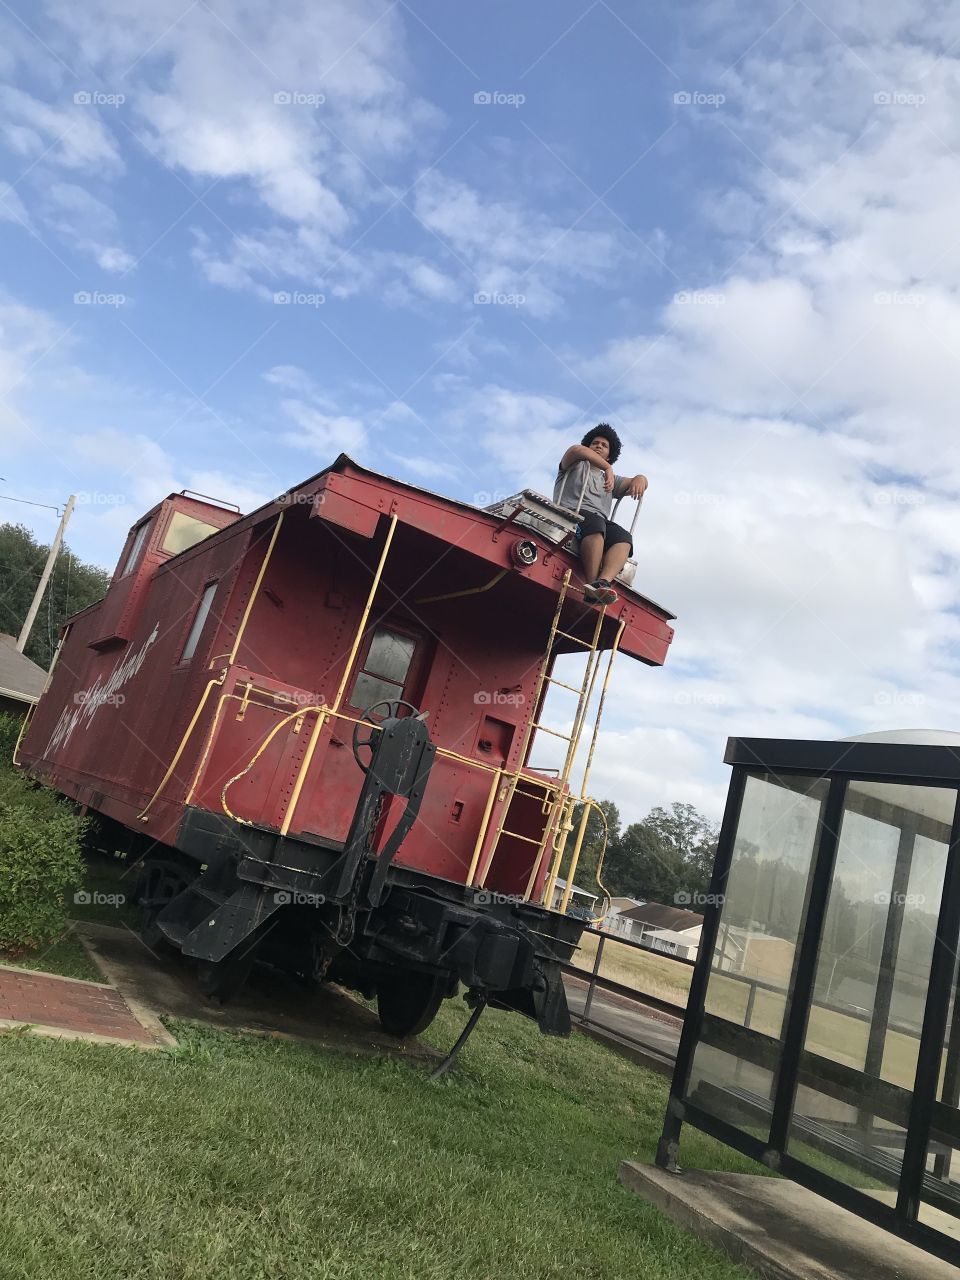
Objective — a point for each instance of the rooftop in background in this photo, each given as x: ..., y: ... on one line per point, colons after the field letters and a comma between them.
x: 20, y: 677
x: 659, y: 916
x: 584, y: 893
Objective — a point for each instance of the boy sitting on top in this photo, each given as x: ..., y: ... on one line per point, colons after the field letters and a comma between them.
x: 604, y: 546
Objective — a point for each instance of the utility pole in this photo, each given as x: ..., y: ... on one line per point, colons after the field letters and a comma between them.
x: 45, y: 576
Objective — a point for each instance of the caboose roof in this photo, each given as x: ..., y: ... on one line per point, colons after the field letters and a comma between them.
x: 344, y: 464
x: 354, y: 497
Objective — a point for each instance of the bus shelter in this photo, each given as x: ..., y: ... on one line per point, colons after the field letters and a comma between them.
x: 822, y: 1034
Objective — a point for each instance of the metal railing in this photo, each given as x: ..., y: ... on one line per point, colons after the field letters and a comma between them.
x: 592, y: 1013
x: 583, y: 490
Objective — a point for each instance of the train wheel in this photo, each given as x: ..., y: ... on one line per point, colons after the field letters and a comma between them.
x: 221, y: 980
x: 160, y: 882
x: 408, y: 1002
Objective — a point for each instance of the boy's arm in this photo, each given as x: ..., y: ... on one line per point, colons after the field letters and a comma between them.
x: 580, y: 453
x: 629, y: 486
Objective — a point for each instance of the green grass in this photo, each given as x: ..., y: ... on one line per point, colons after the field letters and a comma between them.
x: 645, y: 971
x: 238, y: 1157
x: 66, y: 956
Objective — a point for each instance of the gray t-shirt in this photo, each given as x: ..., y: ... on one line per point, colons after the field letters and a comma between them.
x: 566, y: 489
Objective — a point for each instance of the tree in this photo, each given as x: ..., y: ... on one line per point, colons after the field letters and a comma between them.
x: 691, y: 837
x: 668, y: 853
x: 646, y: 866
x: 72, y: 586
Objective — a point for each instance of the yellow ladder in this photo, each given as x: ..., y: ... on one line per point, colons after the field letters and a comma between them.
x: 561, y: 801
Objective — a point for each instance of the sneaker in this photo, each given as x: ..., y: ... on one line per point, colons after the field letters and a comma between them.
x: 600, y: 592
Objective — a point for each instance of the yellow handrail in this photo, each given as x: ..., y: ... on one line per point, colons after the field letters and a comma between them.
x: 347, y: 672
x: 142, y: 815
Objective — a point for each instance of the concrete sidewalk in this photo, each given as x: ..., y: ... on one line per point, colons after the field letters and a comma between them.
x: 779, y: 1229
x: 647, y: 1036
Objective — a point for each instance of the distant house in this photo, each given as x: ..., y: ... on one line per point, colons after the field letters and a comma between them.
x: 755, y: 954
x: 670, y: 930
x: 21, y: 681
x: 614, y: 920
x: 582, y: 902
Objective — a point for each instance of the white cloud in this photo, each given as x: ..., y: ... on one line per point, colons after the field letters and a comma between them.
x: 323, y: 434
x: 86, y: 222
x: 71, y: 135
x: 508, y: 248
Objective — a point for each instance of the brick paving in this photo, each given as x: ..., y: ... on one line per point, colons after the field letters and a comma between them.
x: 84, y: 1008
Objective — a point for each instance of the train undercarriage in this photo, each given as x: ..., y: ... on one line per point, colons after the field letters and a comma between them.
x: 232, y: 894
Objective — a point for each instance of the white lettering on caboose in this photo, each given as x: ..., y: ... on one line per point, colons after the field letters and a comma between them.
x: 87, y: 702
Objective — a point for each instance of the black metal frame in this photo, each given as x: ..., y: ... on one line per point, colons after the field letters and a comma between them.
x: 924, y: 1117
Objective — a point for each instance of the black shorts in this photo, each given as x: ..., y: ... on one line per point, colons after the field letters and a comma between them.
x: 594, y: 522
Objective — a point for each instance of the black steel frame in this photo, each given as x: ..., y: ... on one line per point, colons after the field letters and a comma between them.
x: 923, y: 1116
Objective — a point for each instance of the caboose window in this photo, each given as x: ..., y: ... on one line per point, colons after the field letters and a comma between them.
x: 384, y: 670
x: 184, y: 532
x: 206, y: 600
x: 136, y: 548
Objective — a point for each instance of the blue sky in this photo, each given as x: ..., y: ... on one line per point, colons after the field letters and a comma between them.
x: 728, y: 229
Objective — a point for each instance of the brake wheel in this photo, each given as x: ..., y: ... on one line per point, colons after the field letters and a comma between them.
x: 367, y: 728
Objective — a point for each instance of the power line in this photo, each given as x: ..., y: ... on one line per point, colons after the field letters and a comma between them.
x: 8, y: 498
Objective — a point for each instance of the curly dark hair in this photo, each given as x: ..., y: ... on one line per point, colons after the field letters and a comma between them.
x: 604, y: 429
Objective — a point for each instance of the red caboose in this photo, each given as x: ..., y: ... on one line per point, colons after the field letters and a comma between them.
x: 315, y: 722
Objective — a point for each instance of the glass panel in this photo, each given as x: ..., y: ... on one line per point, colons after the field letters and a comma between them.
x: 940, y: 1195
x: 369, y: 689
x: 390, y: 655
x: 763, y: 905
x: 135, y: 549
x: 201, y: 616
x: 871, y: 980
x: 872, y: 973
x: 184, y: 532
x: 752, y: 963
x: 732, y: 1089
x: 948, y: 1090
x: 849, y: 1142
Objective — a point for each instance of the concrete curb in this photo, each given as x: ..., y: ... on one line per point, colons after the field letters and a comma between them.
x: 779, y: 1229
